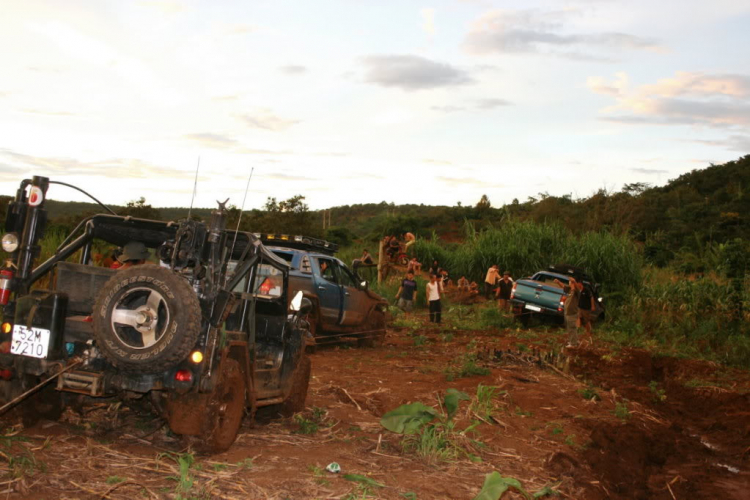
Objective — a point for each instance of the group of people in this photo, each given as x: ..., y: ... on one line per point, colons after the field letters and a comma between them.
x: 392, y: 244
x: 499, y: 286
x: 407, y: 294
x: 578, y: 310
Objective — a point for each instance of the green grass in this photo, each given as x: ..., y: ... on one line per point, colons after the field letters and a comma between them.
x: 589, y: 394
x: 484, y: 403
x: 621, y: 411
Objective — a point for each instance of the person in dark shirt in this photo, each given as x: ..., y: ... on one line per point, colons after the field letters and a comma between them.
x: 504, y: 287
x: 586, y: 309
x: 407, y: 293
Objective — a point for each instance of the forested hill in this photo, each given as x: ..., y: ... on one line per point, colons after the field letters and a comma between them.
x: 687, y: 215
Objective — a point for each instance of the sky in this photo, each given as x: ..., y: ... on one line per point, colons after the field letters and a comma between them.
x: 363, y: 101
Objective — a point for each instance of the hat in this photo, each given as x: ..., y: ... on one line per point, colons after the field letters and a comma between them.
x: 133, y: 250
x: 506, y: 273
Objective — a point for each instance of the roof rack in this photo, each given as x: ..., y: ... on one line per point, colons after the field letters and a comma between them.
x: 298, y: 241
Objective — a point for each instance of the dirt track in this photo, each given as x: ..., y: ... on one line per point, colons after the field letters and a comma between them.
x: 685, y: 436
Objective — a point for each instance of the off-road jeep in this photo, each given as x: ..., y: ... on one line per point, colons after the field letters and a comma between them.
x: 205, y: 334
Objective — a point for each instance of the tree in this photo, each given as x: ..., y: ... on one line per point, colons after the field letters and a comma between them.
x: 140, y: 209
x: 484, y: 203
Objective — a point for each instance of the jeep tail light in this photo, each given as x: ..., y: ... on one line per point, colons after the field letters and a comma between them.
x: 6, y: 328
x: 561, y: 307
x: 183, y: 376
x: 6, y: 374
x: 6, y: 281
x: 513, y: 291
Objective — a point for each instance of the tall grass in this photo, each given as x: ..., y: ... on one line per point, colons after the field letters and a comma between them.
x: 526, y: 247
x: 685, y: 317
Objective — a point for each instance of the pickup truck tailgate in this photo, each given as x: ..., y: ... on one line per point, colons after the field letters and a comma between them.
x: 536, y: 293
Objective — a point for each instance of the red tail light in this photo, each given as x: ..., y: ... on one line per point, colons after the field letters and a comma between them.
x: 183, y: 376
x: 6, y: 277
x: 562, y: 303
x: 6, y: 374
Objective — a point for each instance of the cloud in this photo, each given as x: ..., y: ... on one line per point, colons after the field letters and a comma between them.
x: 437, y: 162
x: 448, y: 109
x: 428, y: 21
x: 293, y: 69
x: 491, y: 103
x: 233, y: 97
x: 649, y: 171
x: 166, y: 6
x: 467, y: 181
x: 252, y: 151
x: 500, y: 31
x: 715, y: 100
x: 216, y: 141
x: 266, y: 120
x: 739, y: 143
x: 410, y: 73
x: 119, y: 167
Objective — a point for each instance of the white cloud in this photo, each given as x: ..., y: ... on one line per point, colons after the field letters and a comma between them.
x: 409, y: 72
x: 501, y: 31
x: 720, y: 100
x: 264, y: 119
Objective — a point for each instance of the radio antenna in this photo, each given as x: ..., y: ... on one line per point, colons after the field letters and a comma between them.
x: 239, y: 219
x: 195, y: 188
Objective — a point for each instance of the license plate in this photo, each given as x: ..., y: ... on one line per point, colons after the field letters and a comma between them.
x: 533, y: 308
x: 32, y: 342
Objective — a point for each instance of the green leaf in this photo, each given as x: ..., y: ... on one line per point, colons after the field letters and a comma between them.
x: 496, y: 485
x: 358, y: 478
x: 452, y: 397
x: 406, y: 419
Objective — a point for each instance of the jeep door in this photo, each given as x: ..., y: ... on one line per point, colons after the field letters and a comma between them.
x: 355, y: 299
x: 329, y: 290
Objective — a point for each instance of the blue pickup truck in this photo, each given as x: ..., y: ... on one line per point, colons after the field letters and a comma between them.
x: 343, y: 304
x: 541, y: 296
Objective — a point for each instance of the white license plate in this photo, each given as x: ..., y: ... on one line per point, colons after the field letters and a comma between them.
x: 32, y: 342
x: 533, y: 308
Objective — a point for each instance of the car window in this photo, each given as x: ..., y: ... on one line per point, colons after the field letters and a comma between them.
x: 269, y: 282
x: 347, y: 277
x: 328, y: 270
x: 549, y: 280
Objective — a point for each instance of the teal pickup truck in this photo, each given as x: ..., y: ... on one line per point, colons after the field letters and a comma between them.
x: 541, y: 296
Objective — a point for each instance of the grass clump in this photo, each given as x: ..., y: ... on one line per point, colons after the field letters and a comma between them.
x: 621, y: 411
x: 589, y: 393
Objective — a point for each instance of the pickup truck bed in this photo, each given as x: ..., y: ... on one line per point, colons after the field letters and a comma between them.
x: 541, y: 296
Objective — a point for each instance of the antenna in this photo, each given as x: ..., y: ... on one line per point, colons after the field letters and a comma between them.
x: 195, y: 188
x: 239, y: 219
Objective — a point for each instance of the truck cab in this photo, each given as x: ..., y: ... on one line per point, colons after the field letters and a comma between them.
x: 343, y: 304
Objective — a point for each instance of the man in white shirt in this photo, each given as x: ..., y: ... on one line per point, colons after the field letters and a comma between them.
x: 434, y: 290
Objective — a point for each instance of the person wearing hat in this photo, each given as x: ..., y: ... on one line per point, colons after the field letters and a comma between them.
x: 134, y: 253
x: 504, y: 287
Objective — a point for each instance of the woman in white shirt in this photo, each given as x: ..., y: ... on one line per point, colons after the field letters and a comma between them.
x: 434, y: 290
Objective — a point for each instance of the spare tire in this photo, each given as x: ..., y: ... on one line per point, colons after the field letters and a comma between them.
x: 146, y: 319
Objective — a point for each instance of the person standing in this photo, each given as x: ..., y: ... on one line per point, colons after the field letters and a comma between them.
x: 433, y: 298
x: 410, y: 239
x: 504, y: 287
x: 490, y: 281
x: 573, y: 290
x: 407, y: 293
x: 586, y: 309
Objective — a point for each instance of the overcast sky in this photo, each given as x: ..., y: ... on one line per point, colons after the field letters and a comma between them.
x: 356, y: 101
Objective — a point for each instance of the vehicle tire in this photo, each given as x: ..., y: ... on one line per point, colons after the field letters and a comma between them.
x: 524, y: 319
x: 46, y: 403
x: 146, y: 319
x: 210, y: 421
x: 295, y: 402
x: 374, y: 330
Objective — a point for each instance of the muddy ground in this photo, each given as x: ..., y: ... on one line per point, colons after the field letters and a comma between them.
x: 589, y: 424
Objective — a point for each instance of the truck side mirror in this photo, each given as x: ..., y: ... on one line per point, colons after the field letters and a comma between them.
x: 306, y: 306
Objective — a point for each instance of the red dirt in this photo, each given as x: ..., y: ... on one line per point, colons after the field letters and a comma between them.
x: 685, y: 446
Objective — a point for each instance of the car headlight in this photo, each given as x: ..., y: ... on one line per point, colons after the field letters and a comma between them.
x: 10, y: 242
